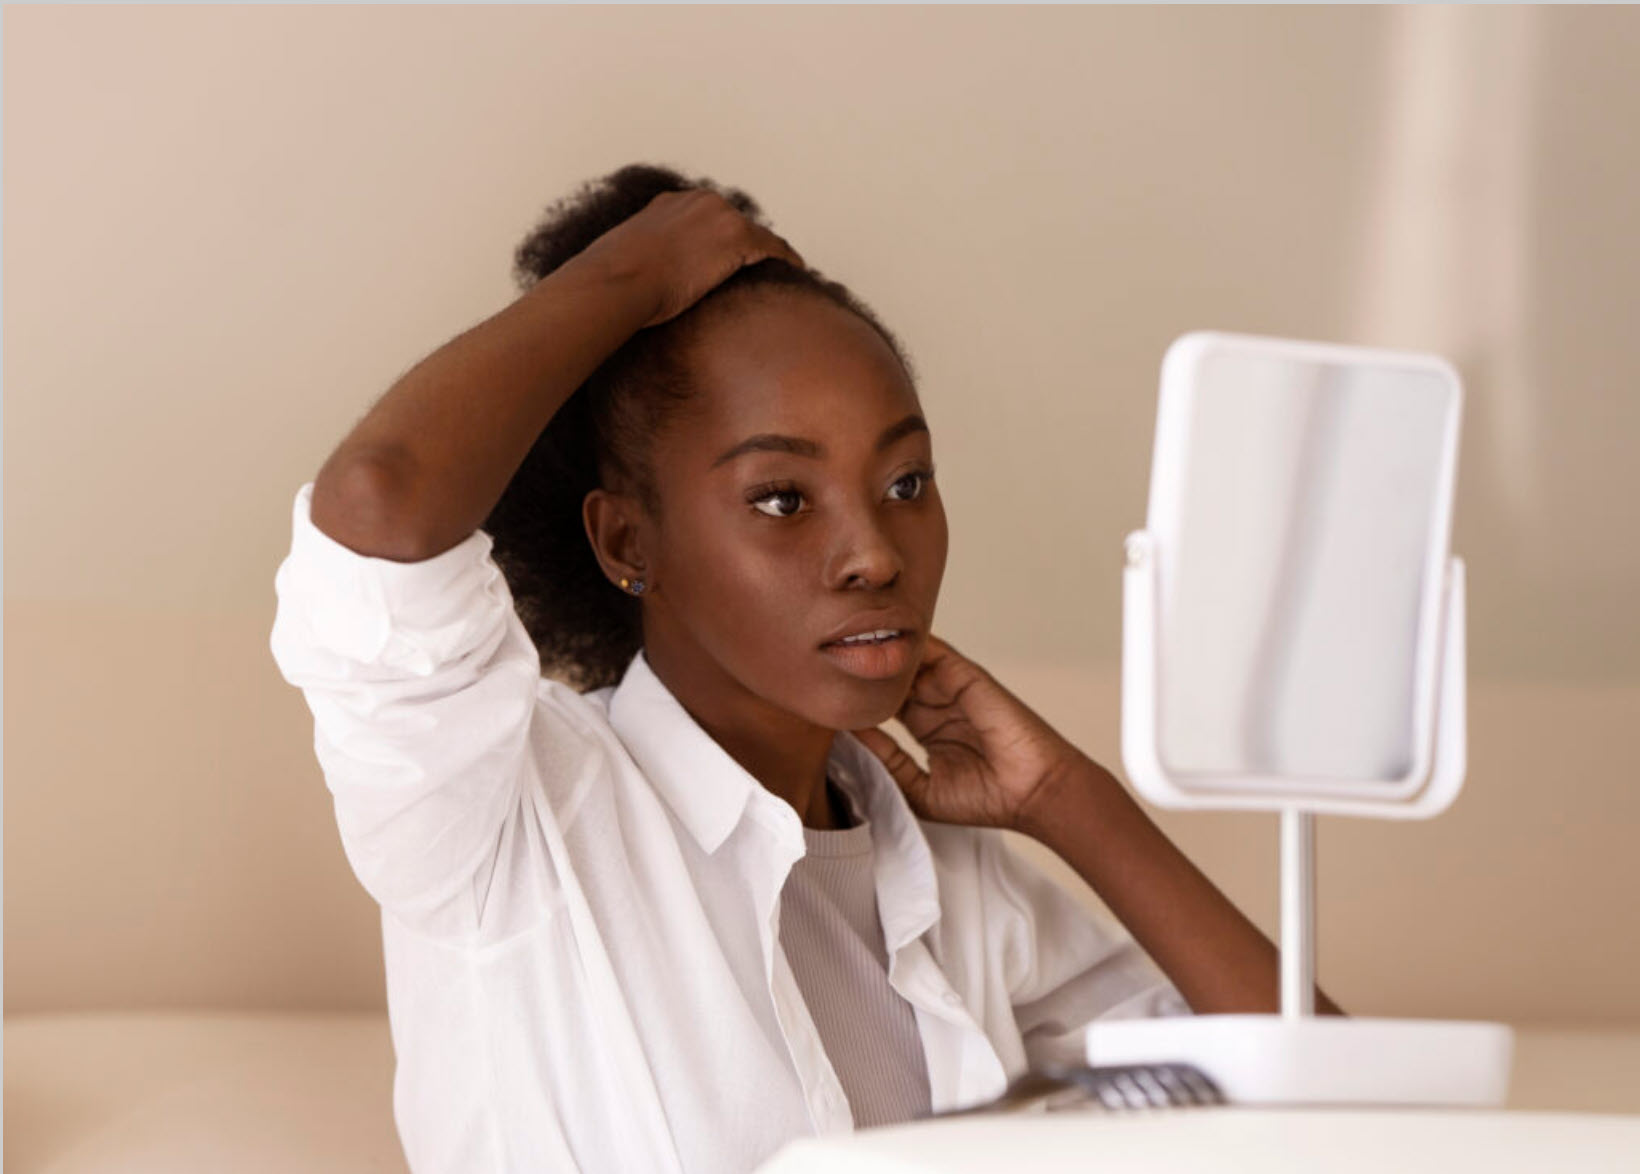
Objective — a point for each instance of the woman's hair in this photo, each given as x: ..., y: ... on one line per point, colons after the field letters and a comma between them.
x: 586, y: 628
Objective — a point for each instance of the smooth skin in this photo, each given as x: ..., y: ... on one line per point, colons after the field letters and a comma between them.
x: 743, y: 582
x: 760, y: 558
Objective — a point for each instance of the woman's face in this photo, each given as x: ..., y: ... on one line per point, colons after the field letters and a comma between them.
x: 769, y: 548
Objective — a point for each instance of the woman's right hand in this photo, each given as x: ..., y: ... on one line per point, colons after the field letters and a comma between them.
x: 684, y: 244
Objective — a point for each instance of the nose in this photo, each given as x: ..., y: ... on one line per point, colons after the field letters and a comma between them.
x: 866, y: 555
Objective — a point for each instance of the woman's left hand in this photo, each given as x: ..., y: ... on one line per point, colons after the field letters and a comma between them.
x: 990, y: 757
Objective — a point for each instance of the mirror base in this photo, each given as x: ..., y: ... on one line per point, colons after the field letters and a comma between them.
x: 1327, y: 1060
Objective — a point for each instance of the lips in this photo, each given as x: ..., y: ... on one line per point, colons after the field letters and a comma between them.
x: 871, y: 661
x: 894, y: 620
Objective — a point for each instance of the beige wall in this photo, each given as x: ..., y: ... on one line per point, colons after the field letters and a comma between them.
x: 228, y: 229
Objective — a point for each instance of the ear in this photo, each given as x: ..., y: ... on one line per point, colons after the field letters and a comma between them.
x: 613, y: 523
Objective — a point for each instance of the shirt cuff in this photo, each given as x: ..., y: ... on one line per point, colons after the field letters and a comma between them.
x: 406, y: 616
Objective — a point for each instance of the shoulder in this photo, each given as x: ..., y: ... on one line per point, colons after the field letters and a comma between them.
x: 960, y: 848
x: 957, y: 847
x: 968, y: 863
x: 980, y: 868
x: 574, y: 745
x: 588, y: 712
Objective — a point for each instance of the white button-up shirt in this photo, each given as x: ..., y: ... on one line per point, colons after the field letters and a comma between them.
x: 580, y: 895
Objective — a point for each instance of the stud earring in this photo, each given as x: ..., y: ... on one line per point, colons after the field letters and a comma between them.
x: 634, y: 586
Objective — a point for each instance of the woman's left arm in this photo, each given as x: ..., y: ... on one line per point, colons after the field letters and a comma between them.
x: 994, y: 762
x: 1218, y: 959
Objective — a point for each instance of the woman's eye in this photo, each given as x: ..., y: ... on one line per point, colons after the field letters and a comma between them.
x: 919, y: 478
x: 773, y: 494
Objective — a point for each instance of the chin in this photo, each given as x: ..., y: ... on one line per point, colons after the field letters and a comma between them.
x: 854, y: 704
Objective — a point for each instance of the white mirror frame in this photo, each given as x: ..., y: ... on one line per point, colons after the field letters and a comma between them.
x: 1440, y: 700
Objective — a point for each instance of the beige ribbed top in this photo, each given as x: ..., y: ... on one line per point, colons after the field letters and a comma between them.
x: 833, y: 938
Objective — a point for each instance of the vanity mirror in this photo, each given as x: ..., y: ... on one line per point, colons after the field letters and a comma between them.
x: 1293, y: 642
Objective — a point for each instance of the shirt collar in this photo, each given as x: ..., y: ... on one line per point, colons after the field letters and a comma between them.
x: 705, y: 787
x: 709, y: 791
x: 908, y: 899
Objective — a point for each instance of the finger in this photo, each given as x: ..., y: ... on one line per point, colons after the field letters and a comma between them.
x: 941, y: 674
x: 789, y: 254
x: 772, y: 244
x: 934, y: 650
x: 937, y: 652
x: 926, y: 699
x: 945, y: 725
x: 901, y: 765
x: 920, y: 717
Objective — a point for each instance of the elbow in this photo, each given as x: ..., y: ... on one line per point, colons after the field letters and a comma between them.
x: 362, y: 502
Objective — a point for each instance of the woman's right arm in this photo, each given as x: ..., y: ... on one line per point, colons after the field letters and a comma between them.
x: 397, y: 624
x: 431, y: 458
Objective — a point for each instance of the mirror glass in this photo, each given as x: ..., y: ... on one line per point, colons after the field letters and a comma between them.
x: 1292, y: 570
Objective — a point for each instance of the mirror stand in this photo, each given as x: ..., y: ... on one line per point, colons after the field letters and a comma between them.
x: 1297, y: 913
x: 1297, y: 1057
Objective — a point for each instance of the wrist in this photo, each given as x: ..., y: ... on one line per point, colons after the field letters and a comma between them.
x: 628, y: 279
x: 1073, y: 779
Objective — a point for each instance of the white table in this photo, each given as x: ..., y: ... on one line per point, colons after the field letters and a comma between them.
x: 202, y: 1092
x: 1198, y: 1140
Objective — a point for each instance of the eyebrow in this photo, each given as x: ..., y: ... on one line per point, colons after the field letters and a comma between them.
x: 804, y: 447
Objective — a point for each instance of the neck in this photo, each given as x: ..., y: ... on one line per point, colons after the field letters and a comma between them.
x: 784, y: 753
x: 837, y: 810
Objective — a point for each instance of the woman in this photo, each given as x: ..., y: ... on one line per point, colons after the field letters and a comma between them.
x: 681, y: 901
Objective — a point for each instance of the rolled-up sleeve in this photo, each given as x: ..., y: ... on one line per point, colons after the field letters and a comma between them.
x: 422, y: 683
x: 1066, y: 964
